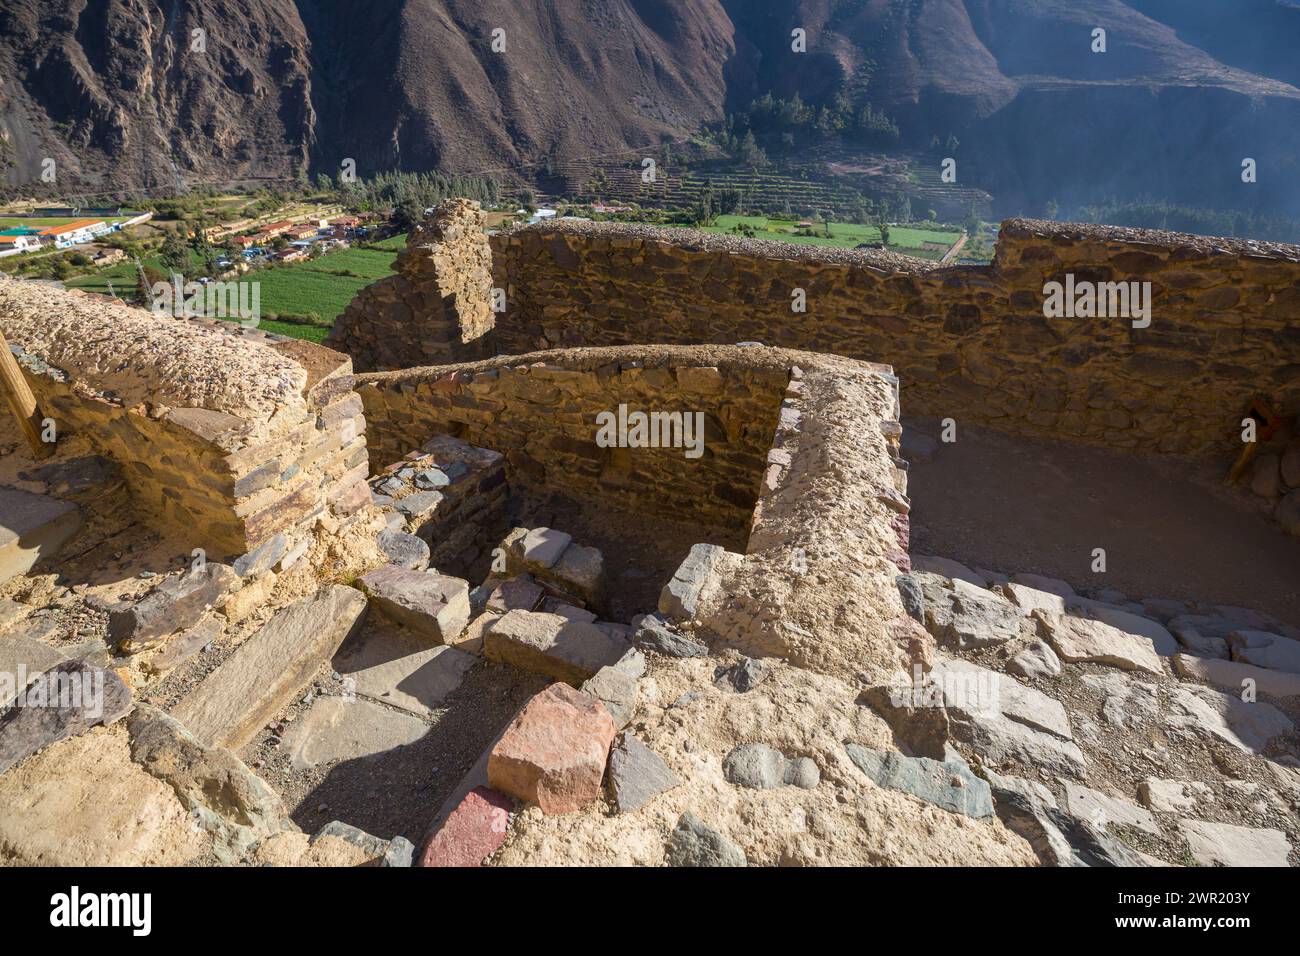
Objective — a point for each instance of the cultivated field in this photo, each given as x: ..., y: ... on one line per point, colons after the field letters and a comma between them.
x: 844, y: 235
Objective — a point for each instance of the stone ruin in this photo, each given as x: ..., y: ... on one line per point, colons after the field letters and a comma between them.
x: 437, y: 596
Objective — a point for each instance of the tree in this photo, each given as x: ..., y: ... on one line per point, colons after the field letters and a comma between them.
x: 972, y: 223
x: 175, y: 254
x: 407, y: 213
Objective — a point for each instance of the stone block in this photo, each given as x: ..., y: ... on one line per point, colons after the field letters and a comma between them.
x: 435, y: 606
x: 553, y: 753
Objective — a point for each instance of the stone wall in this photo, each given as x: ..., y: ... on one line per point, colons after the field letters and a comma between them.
x: 541, y: 411
x: 229, y: 436
x: 437, y: 309
x: 970, y: 343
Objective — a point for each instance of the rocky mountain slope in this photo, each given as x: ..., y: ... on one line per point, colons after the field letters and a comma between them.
x: 115, y: 92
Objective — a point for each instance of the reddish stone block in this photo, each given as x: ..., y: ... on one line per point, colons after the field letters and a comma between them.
x: 553, y: 753
x: 472, y: 832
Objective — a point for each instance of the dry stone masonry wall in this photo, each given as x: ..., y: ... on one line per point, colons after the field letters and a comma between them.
x: 542, y: 412
x: 970, y: 342
x: 231, y: 440
x: 437, y: 309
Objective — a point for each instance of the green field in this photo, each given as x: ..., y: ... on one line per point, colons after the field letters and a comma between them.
x: 843, y: 235
x: 324, y: 286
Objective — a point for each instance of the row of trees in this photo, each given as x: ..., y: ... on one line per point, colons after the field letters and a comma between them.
x: 774, y: 124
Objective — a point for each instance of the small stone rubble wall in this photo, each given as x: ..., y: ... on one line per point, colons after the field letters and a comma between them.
x: 968, y: 342
x: 230, y: 438
x: 437, y: 309
x: 540, y: 410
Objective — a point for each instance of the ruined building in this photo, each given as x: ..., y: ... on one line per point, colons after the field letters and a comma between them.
x: 594, y: 544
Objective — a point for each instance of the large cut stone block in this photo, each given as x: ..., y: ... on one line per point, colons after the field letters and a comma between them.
x: 435, y: 606
x: 550, y: 644
x: 553, y: 753
x: 271, y: 668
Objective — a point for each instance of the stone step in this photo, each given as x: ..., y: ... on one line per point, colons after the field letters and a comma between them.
x: 271, y: 668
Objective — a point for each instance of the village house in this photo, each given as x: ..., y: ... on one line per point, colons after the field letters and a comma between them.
x: 75, y: 232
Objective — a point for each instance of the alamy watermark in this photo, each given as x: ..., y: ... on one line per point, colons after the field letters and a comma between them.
x: 626, y: 429
x: 82, y: 691
x: 208, y: 300
x: 1085, y: 299
x: 976, y: 691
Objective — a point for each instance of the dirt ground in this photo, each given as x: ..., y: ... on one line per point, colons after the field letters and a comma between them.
x: 1169, y: 529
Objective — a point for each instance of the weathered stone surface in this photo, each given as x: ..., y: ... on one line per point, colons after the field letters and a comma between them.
x: 948, y: 568
x: 1042, y: 583
x: 680, y: 596
x: 1130, y: 623
x: 913, y: 598
x: 271, y: 668
x: 434, y: 606
x: 1266, y: 475
x: 540, y: 548
x: 653, y: 634
x: 553, y: 753
x: 1223, y: 844
x: 1030, y: 599
x: 1291, y: 465
x: 223, y: 795
x: 744, y: 676
x: 760, y: 767
x: 32, y: 527
x: 1127, y: 703
x: 84, y: 802
x: 1198, y: 712
x: 262, y: 558
x: 472, y: 832
x: 176, y: 603
x: 975, y: 693
x: 636, y: 774
x: 64, y: 701
x: 1236, y: 675
x: 184, y: 645
x: 1171, y: 796
x: 520, y: 593
x: 974, y: 618
x: 396, y: 852
x: 694, y: 843
x: 404, y: 550
x: 1081, y: 639
x: 1038, y: 660
x: 1101, y: 809
x: 396, y: 667
x: 1287, y: 512
x: 338, y: 728
x: 571, y: 651
x: 581, y: 573
x: 948, y: 784
x: 1265, y: 649
x: 617, y: 691
x: 1058, y: 838
x: 22, y: 659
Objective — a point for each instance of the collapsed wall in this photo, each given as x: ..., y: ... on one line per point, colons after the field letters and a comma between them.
x: 968, y: 342
x: 436, y: 309
x: 541, y: 412
x: 231, y: 438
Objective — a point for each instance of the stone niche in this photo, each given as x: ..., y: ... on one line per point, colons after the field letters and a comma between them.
x: 436, y: 309
x: 971, y: 342
x: 225, y: 435
x: 545, y: 413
